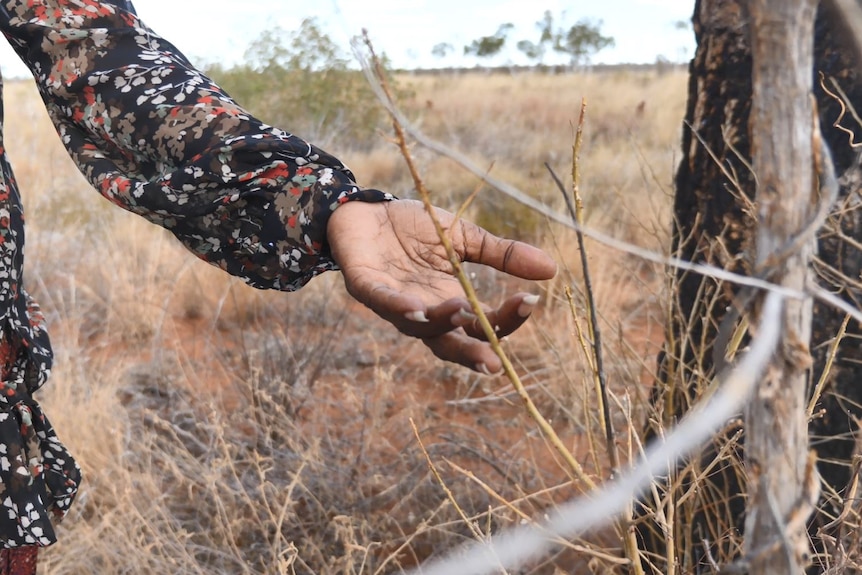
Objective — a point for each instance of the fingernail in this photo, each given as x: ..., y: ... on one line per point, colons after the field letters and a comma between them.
x: 417, y: 316
x: 527, y: 306
x: 462, y: 317
x: 482, y: 368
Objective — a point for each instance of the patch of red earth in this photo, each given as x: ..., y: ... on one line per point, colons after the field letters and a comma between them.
x: 371, y: 408
x: 381, y: 397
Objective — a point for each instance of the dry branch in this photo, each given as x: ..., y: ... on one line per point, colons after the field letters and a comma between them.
x: 519, y: 545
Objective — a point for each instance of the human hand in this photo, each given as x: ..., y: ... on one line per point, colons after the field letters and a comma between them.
x: 393, y: 262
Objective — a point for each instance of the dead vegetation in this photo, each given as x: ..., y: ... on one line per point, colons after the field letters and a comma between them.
x: 226, y: 430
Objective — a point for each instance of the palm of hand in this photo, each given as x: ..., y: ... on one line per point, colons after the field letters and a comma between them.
x: 394, y: 263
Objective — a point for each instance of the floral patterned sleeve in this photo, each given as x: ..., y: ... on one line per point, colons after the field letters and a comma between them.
x: 157, y: 137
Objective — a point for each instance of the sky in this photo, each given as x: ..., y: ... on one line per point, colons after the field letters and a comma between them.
x: 210, y: 31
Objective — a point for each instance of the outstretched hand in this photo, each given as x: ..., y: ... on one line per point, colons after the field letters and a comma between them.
x: 393, y: 262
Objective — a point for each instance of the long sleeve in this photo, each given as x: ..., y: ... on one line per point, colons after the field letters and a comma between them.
x: 154, y: 136
x: 157, y: 137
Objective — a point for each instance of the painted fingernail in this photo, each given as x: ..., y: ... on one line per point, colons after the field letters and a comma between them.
x: 417, y: 316
x: 482, y: 368
x: 528, y: 304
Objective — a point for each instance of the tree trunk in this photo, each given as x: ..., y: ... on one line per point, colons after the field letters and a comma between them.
x: 714, y: 187
x: 776, y: 436
x: 714, y: 223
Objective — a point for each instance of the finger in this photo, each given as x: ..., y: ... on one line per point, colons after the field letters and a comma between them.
x: 509, y: 256
x: 458, y: 347
x: 506, y: 319
x: 396, y: 307
x: 408, y: 313
x: 437, y: 320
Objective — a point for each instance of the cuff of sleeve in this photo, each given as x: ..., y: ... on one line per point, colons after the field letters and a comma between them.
x: 297, y: 219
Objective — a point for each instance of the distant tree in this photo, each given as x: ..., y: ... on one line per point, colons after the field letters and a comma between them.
x: 536, y: 50
x: 532, y: 50
x: 579, y: 42
x: 442, y: 49
x: 302, y: 79
x: 278, y: 49
x: 488, y: 46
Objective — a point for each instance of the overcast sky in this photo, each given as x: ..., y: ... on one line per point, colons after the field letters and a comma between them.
x: 407, y: 30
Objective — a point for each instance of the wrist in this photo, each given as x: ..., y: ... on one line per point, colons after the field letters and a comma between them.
x: 351, y: 208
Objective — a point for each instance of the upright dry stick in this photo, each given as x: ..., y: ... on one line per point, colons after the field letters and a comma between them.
x: 519, y: 545
x: 595, y: 329
x: 628, y: 534
x: 630, y: 542
x: 451, y: 496
x: 470, y: 293
x: 830, y: 361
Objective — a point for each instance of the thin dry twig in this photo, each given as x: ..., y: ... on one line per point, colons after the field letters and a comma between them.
x: 449, y: 495
x: 470, y: 293
x: 609, y: 241
x: 830, y: 360
x: 519, y: 545
x: 851, y: 135
x: 595, y: 332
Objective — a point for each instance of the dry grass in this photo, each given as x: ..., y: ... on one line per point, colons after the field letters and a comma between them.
x: 227, y: 430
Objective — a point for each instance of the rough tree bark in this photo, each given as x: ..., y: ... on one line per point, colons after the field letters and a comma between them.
x: 714, y: 223
x: 776, y: 435
x: 712, y: 220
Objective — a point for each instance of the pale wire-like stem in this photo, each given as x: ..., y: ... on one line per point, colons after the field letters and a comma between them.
x: 470, y: 292
x: 525, y: 518
x: 521, y: 544
x: 604, y: 239
x: 843, y: 101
